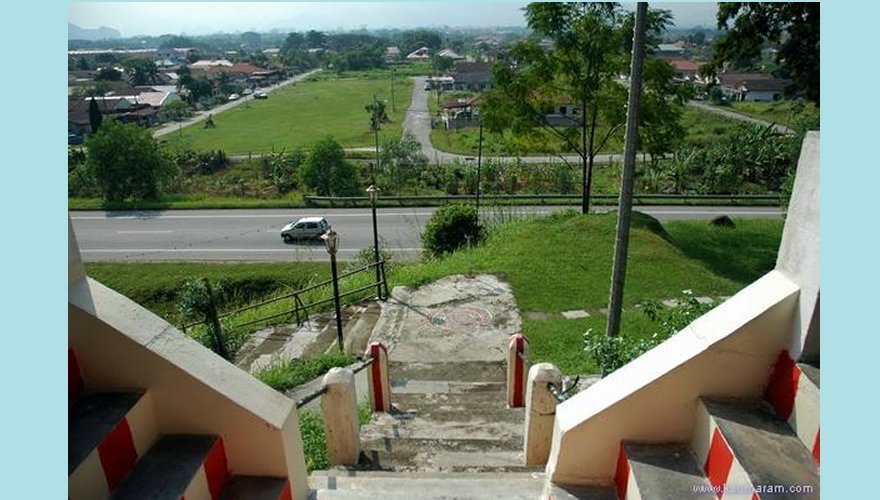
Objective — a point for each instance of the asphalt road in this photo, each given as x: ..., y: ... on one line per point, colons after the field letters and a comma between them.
x: 253, y: 235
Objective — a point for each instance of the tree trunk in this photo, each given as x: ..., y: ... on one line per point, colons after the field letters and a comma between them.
x: 621, y: 243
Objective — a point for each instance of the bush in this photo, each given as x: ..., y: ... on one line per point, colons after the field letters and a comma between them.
x: 450, y: 228
x: 612, y: 353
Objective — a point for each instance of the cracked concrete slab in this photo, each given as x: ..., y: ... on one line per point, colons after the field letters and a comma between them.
x: 457, y: 318
x: 575, y: 314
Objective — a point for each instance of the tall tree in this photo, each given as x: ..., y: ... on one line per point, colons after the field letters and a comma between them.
x: 793, y: 26
x: 95, y: 116
x: 127, y: 162
x: 574, y: 59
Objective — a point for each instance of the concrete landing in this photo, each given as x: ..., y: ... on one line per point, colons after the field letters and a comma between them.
x: 666, y: 471
x: 457, y: 318
x: 427, y: 486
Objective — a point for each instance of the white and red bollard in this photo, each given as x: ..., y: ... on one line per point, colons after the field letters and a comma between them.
x: 540, y: 413
x: 339, y: 405
x: 517, y: 371
x: 377, y: 377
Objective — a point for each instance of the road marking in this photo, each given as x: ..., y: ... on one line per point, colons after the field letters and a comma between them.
x: 157, y: 231
x: 253, y: 216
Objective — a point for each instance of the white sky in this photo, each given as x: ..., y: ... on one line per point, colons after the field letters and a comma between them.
x: 197, y: 18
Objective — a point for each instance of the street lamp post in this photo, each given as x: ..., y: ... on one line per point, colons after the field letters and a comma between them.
x: 373, y: 193
x: 331, y: 241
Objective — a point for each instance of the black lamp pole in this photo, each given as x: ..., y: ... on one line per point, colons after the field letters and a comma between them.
x: 331, y: 240
x: 373, y: 192
x: 479, y: 160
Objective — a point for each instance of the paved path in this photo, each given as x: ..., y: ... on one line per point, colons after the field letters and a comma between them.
x: 201, y: 116
x: 727, y: 113
x: 418, y: 123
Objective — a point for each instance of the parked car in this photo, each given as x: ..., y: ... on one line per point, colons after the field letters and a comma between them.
x: 261, y: 95
x: 74, y: 138
x: 234, y: 97
x: 305, y: 228
x: 248, y: 91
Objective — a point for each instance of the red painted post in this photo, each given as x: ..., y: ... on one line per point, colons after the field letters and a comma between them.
x: 380, y: 389
x: 517, y: 350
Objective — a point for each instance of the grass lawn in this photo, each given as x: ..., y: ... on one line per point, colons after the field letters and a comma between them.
x: 300, y: 114
x: 553, y: 264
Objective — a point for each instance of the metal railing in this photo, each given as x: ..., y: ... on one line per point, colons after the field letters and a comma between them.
x: 360, y: 365
x: 560, y: 393
x: 299, y: 309
x: 543, y: 199
x: 563, y: 393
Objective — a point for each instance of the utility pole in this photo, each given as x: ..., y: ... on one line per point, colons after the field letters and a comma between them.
x: 479, y: 160
x: 624, y: 211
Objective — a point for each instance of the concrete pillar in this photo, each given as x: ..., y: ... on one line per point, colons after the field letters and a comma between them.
x: 540, y: 413
x: 339, y: 405
x: 517, y: 371
x: 377, y: 377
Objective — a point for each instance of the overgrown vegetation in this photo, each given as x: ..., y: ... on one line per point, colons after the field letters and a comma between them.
x: 282, y: 373
x: 611, y: 353
x: 311, y: 428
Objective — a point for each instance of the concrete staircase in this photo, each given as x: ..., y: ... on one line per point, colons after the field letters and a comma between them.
x: 116, y: 451
x: 748, y: 448
x: 450, y: 435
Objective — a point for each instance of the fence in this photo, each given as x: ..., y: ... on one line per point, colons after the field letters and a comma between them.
x: 545, y: 199
x: 299, y: 309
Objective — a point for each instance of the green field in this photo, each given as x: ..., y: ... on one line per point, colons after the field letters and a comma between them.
x: 298, y: 115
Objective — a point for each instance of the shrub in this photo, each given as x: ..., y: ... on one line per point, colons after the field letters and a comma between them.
x: 612, y: 353
x: 450, y: 228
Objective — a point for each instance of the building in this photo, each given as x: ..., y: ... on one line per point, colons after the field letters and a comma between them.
x: 752, y: 87
x: 473, y: 76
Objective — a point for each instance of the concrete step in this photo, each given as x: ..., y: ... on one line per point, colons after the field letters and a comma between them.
x: 91, y: 418
x: 573, y: 492
x: 333, y: 485
x: 424, y: 455
x: 256, y: 488
x: 742, y: 442
x: 171, y: 469
x: 456, y: 407
x: 107, y: 433
x: 384, y: 426
x: 793, y: 390
x: 424, y: 386
x: 660, y: 472
x: 466, y: 371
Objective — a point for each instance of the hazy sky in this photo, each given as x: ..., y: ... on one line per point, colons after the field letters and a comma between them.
x: 197, y: 18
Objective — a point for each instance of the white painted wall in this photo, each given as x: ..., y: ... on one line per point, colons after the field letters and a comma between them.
x: 731, y: 350
x: 798, y: 256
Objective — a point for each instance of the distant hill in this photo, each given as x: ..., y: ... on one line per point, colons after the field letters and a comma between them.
x: 74, y: 32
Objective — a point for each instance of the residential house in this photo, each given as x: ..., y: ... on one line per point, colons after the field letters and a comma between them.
x: 473, y: 76
x: 461, y: 113
x: 686, y: 71
x: 671, y: 51
x: 244, y: 74
x: 753, y: 87
x: 450, y: 54
x: 420, y: 53
x: 140, y: 105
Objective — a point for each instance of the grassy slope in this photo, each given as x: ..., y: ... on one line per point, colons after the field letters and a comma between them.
x: 298, y: 115
x: 553, y: 264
